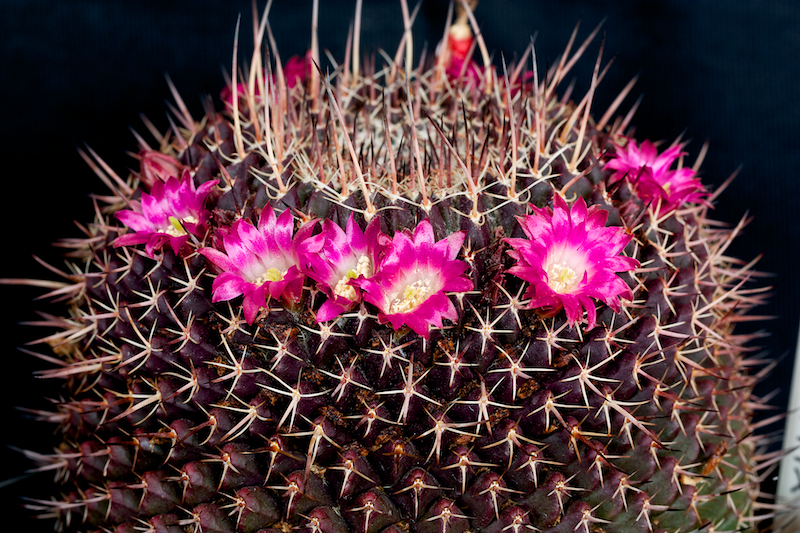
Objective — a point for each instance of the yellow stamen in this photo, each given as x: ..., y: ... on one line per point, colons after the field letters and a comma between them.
x: 413, y: 295
x: 176, y: 227
x: 561, y: 278
x: 176, y: 224
x: 273, y: 274
x: 343, y: 287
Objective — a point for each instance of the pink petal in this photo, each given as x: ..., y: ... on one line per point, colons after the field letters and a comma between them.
x: 227, y: 286
x: 135, y: 221
x: 219, y: 259
x: 330, y: 309
x: 131, y: 239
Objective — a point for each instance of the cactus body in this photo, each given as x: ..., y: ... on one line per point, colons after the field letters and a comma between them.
x: 436, y: 299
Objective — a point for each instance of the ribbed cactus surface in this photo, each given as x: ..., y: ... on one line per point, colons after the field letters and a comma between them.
x: 388, y: 298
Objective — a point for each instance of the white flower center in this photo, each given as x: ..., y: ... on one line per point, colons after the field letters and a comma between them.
x: 565, y: 268
x: 561, y: 278
x: 343, y: 289
x: 413, y: 295
x: 176, y: 227
x: 363, y: 268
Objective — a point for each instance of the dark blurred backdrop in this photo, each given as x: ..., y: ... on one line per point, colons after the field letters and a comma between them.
x: 80, y: 71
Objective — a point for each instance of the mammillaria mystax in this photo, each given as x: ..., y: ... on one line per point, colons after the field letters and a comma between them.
x: 405, y: 299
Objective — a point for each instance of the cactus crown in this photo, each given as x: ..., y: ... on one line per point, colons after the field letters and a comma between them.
x: 389, y: 298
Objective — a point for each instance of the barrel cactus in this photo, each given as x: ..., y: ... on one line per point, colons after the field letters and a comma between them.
x: 431, y: 296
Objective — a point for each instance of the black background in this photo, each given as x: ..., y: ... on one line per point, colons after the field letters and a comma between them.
x: 81, y: 71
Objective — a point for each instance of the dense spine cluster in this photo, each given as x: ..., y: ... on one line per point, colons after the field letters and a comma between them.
x: 385, y: 299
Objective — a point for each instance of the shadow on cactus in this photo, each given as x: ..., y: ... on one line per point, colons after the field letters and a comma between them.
x: 428, y: 297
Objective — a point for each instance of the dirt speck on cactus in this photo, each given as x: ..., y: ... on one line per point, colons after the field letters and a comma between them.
x: 412, y: 297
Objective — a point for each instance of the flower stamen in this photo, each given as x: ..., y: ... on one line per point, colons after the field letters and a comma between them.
x: 413, y: 295
x: 561, y: 278
x: 176, y: 227
x: 272, y: 274
x: 343, y: 287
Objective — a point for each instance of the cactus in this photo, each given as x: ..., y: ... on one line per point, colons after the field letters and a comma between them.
x: 437, y: 298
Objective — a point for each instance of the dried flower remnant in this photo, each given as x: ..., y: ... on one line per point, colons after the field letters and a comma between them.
x: 457, y: 51
x: 155, y: 166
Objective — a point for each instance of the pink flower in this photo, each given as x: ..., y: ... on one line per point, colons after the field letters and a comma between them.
x: 410, y: 283
x: 155, y: 166
x: 169, y: 213
x: 334, y: 258
x: 650, y: 176
x: 226, y: 94
x: 569, y: 258
x: 259, y: 263
x: 296, y: 71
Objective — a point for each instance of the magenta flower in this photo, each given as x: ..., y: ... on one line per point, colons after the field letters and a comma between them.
x: 168, y: 214
x: 296, y: 71
x: 259, y: 263
x: 226, y: 94
x: 410, y: 283
x: 334, y: 258
x: 569, y: 258
x: 650, y: 176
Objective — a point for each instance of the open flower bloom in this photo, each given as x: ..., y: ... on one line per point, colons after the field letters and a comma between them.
x: 259, y: 262
x: 171, y: 211
x: 334, y: 258
x: 650, y: 176
x: 569, y: 258
x: 412, y: 278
